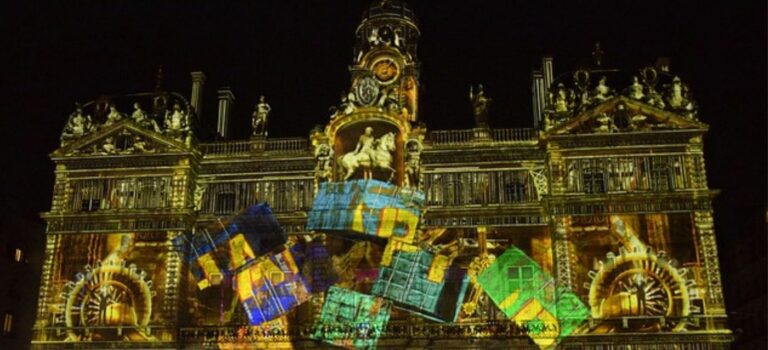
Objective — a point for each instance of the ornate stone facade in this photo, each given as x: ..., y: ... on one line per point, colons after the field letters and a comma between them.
x: 608, y: 194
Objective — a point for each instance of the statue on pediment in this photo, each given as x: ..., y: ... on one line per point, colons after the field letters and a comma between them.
x: 259, y: 117
x: 679, y: 99
x: 176, y: 120
x: 113, y: 116
x: 78, y: 125
x: 480, y: 105
x: 635, y: 91
x: 561, y: 103
x: 602, y: 91
x: 140, y: 118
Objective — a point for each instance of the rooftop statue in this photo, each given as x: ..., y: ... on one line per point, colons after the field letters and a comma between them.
x: 114, y: 115
x: 679, y: 99
x: 636, y: 89
x: 176, y: 122
x: 259, y: 117
x: 77, y: 126
x: 602, y: 92
x: 140, y: 117
x: 480, y: 105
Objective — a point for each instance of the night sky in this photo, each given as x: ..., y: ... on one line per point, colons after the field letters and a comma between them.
x: 297, y: 54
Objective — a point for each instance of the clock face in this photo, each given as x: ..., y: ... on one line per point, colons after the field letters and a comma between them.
x: 385, y: 70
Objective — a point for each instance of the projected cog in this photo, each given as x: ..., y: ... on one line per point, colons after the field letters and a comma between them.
x: 108, y: 295
x: 644, y: 284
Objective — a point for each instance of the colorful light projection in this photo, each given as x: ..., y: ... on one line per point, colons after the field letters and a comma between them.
x: 366, y: 207
x: 351, y: 320
x: 109, y: 285
x: 271, y: 285
x: 530, y: 297
x: 418, y: 279
x: 233, y: 244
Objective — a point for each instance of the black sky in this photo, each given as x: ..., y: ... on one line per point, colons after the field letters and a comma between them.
x: 297, y: 52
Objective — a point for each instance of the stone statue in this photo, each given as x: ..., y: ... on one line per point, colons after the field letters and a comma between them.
x: 678, y: 98
x: 365, y: 142
x: 141, y: 119
x: 563, y: 99
x: 323, y: 169
x: 480, y: 105
x: 259, y: 117
x: 389, y: 101
x: 411, y: 97
x: 370, y: 153
x: 114, y: 116
x: 636, y: 89
x: 77, y: 126
x: 412, y: 163
x: 602, y: 91
x: 176, y: 122
x: 109, y: 146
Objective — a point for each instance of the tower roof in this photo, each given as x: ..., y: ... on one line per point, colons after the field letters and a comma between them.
x: 389, y: 10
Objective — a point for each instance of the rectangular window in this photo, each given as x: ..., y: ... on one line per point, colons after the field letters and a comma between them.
x: 519, y: 276
x: 225, y: 203
x: 594, y: 181
x: 7, y: 323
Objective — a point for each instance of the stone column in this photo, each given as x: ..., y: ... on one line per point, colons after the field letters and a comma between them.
x: 562, y: 247
x: 711, y: 268
x: 173, y: 281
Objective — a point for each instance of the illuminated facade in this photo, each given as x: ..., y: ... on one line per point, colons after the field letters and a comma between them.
x: 607, y: 194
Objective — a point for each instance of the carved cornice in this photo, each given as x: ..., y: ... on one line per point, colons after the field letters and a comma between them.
x: 648, y: 138
x: 260, y: 166
x: 589, y: 204
x: 477, y: 156
x: 118, y: 221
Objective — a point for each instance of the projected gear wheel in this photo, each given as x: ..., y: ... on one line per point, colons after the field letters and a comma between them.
x: 109, y: 295
x: 641, y: 283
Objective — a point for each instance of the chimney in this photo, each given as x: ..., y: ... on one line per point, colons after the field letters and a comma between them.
x: 539, y: 95
x: 226, y: 102
x: 547, y: 72
x: 198, y: 80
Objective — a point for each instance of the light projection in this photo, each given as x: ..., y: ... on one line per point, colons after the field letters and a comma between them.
x: 271, y: 286
x: 113, y: 295
x: 366, y: 207
x: 351, y: 320
x: 638, y: 278
x: 231, y: 245
x: 530, y: 297
x: 419, y: 279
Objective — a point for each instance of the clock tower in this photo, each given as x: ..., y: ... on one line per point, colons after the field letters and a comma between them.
x: 371, y: 133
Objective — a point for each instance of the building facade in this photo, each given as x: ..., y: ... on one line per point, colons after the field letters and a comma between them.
x: 607, y: 193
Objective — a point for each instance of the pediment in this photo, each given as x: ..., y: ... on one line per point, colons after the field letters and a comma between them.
x: 122, y: 138
x: 622, y: 114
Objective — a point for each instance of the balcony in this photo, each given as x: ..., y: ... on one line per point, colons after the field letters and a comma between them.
x: 448, y: 138
x: 288, y: 145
